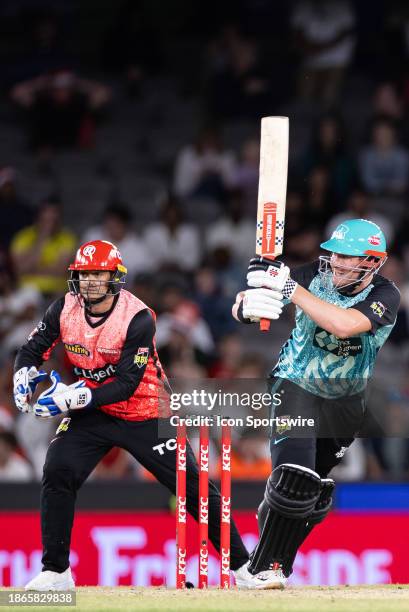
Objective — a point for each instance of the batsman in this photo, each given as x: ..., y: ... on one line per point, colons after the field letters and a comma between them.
x: 108, y: 335
x: 345, y: 311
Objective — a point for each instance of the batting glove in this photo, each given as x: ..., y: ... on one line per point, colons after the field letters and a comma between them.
x: 272, y: 275
x: 262, y: 304
x: 60, y: 398
x: 25, y: 381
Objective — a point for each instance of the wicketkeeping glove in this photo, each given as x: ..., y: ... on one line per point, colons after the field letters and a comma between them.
x: 262, y: 304
x: 25, y: 381
x: 272, y: 275
x: 61, y: 398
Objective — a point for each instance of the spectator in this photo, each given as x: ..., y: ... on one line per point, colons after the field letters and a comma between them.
x: 324, y: 37
x: 44, y: 45
x: 245, y: 177
x: 42, y: 252
x: 19, y: 310
x: 238, y: 78
x: 296, y: 212
x: 12, y: 466
x: 182, y: 334
x: 328, y: 150
x: 229, y: 274
x: 319, y: 199
x: 204, y: 169
x: 60, y: 109
x: 233, y: 231
x: 132, y: 46
x: 172, y: 243
x: 251, y: 457
x: 116, y: 227
x: 15, y: 214
x: 384, y: 164
x: 214, y: 305
x: 359, y: 207
x: 230, y: 353
x: 387, y: 101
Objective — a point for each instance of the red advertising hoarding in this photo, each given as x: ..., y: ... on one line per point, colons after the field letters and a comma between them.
x: 139, y: 549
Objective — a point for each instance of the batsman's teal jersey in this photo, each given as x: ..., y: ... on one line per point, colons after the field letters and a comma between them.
x: 332, y: 367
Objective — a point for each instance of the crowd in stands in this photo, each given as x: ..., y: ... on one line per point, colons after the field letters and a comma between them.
x: 187, y: 247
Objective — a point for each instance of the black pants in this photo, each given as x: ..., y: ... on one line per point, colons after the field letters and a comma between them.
x: 337, y: 423
x: 74, y: 453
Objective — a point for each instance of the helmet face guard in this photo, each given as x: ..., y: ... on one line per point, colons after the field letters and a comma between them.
x: 351, y: 281
x: 115, y: 285
x: 97, y: 256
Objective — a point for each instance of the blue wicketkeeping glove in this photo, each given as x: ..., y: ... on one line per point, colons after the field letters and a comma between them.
x: 60, y: 398
x: 25, y: 381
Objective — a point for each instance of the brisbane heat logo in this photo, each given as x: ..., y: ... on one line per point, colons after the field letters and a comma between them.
x: 340, y: 232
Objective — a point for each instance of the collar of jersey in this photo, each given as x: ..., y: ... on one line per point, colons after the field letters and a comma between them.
x: 102, y: 317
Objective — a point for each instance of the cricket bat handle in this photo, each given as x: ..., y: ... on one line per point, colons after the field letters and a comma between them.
x: 264, y: 325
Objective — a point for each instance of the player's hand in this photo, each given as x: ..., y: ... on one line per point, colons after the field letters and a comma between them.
x: 272, y: 275
x: 262, y: 304
x: 25, y: 381
x: 61, y: 398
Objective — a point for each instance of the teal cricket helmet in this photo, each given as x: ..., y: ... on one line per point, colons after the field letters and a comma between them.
x: 357, y: 238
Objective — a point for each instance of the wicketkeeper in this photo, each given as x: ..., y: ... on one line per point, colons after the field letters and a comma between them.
x: 108, y: 336
x: 345, y: 311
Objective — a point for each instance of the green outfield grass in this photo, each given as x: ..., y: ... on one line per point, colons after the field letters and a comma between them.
x: 307, y: 599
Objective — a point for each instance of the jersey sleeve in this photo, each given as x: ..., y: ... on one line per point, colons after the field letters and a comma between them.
x: 381, y: 304
x: 42, y: 339
x: 129, y: 371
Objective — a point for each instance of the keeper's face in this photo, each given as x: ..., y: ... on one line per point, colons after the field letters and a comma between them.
x: 347, y: 269
x: 94, y: 283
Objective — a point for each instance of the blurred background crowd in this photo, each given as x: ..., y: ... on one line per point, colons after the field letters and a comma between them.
x: 138, y: 122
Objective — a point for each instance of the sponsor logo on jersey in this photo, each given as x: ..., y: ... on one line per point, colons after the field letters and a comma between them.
x: 77, y: 349
x: 41, y: 326
x: 375, y: 240
x: 63, y: 426
x: 108, y: 351
x: 98, y: 374
x: 378, y: 308
x: 142, y: 356
x: 341, y: 452
x: 345, y: 347
x: 284, y: 425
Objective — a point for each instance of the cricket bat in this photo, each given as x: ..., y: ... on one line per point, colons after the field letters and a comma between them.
x: 272, y: 190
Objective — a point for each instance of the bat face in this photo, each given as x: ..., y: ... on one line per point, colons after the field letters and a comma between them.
x: 272, y: 188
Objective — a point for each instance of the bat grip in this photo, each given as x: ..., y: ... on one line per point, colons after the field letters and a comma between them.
x: 264, y: 325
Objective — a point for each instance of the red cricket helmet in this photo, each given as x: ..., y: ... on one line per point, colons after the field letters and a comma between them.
x: 98, y: 255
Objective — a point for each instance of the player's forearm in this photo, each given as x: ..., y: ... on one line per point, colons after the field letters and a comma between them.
x: 338, y: 321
